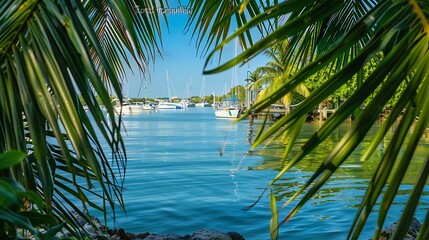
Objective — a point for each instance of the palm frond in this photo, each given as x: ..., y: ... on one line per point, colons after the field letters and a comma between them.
x: 213, y: 21
x: 50, y: 53
x: 338, y: 39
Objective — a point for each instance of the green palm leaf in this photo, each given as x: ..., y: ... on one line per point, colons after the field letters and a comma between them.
x: 339, y: 39
x: 50, y: 54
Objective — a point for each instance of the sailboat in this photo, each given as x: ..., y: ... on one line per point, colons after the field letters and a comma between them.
x: 127, y: 107
x: 147, y: 105
x: 168, y: 104
x: 185, y: 102
x: 203, y: 103
x: 229, y: 108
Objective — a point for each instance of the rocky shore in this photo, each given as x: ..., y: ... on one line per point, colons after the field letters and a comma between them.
x: 100, y: 232
x: 204, y: 234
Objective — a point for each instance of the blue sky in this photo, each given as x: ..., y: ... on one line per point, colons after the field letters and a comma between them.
x: 184, y: 67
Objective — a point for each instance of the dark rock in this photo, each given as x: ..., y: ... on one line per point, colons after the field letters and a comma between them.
x: 163, y: 237
x: 208, y: 234
x: 78, y: 218
x: 141, y: 235
x: 96, y: 230
x: 412, y: 233
x: 235, y: 236
x: 124, y: 235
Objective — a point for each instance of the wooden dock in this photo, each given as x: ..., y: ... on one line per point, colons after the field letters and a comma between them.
x: 275, y: 114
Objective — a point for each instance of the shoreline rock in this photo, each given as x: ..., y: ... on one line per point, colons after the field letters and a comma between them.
x: 203, y: 234
x: 412, y: 233
x: 102, y: 232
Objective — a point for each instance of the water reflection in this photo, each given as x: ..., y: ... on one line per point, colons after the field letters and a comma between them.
x: 348, y: 184
x: 353, y: 167
x: 250, y: 132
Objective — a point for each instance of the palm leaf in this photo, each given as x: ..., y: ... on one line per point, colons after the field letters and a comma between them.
x: 50, y: 53
x: 274, y: 224
x: 339, y: 39
x: 214, y: 20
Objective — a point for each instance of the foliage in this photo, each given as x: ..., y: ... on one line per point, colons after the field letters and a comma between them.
x: 239, y: 91
x: 339, y: 38
x: 50, y: 53
x: 212, y: 21
x: 276, y: 73
x: 346, y: 90
x: 14, y: 201
x: 253, y: 78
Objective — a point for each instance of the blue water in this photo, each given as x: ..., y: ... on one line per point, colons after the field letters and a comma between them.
x: 188, y: 170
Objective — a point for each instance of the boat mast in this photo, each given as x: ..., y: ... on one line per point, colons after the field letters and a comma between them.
x: 203, y: 83
x: 168, y: 87
x: 189, y: 88
x: 235, y: 67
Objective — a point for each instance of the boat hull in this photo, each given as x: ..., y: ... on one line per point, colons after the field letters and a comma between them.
x: 148, y: 107
x: 169, y: 106
x: 129, y: 109
x: 203, y: 104
x: 227, y: 113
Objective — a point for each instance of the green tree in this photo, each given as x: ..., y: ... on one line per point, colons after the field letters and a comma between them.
x: 253, y: 78
x: 238, y: 91
x: 276, y: 73
x: 346, y: 36
x: 52, y: 53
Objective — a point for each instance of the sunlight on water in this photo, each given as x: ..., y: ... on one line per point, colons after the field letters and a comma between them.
x: 188, y: 170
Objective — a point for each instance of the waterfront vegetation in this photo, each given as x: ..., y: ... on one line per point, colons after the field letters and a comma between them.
x: 50, y: 52
x: 238, y: 91
x: 373, y: 55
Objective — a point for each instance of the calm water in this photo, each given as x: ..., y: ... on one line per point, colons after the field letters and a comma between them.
x: 178, y: 182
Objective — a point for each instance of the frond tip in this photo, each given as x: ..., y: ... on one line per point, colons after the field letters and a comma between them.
x: 419, y: 12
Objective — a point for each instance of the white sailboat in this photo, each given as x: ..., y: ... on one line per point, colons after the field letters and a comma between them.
x: 147, y: 105
x: 168, y: 104
x: 185, y: 102
x: 203, y: 103
x: 229, y: 108
x: 127, y: 107
x: 228, y: 113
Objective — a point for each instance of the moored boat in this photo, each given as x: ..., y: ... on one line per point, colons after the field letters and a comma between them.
x: 228, y: 108
x: 186, y: 103
x: 128, y: 108
x: 148, y: 106
x: 203, y: 104
x: 169, y: 105
x: 227, y: 113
